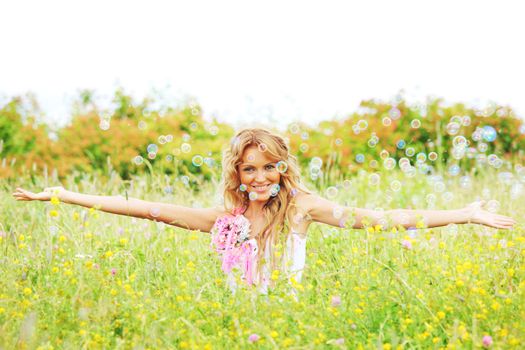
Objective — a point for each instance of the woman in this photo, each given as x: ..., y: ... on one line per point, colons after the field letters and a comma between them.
x: 264, y: 205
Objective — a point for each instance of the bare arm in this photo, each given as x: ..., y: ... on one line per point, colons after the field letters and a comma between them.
x: 177, y: 215
x: 325, y: 211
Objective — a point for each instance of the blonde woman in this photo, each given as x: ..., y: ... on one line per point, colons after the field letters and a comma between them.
x: 265, y: 206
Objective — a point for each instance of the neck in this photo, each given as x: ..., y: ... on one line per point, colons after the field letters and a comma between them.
x: 255, y: 208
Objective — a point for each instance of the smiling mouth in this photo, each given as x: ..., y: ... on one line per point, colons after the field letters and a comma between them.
x: 261, y: 188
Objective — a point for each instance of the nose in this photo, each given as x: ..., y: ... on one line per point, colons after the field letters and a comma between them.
x: 260, y: 176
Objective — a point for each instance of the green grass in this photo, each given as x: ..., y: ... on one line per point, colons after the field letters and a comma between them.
x: 87, y: 279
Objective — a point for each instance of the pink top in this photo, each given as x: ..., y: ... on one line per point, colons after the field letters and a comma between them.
x: 230, y: 239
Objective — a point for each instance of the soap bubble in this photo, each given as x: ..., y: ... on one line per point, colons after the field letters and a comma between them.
x: 389, y: 163
x: 415, y: 123
x: 465, y: 182
x: 243, y: 187
x: 185, y: 148
x: 162, y: 139
x: 142, y: 125
x: 362, y: 124
x: 347, y: 184
x: 152, y: 148
x: 489, y: 133
x: 262, y: 147
x: 169, y: 138
x: 304, y: 147
x: 331, y: 192
x: 384, y: 154
x: 337, y: 212
x: 154, y: 212
x: 281, y: 166
x: 395, y: 185
x: 454, y: 170
x: 253, y: 196
x: 432, y: 156
x: 138, y: 160
x: 274, y: 190
x: 421, y: 157
x: 482, y: 147
x: 410, y: 151
x: 401, y: 144
x: 197, y: 160
x: 360, y: 158
x: 387, y: 121
x: 104, y: 125
x: 493, y: 206
x: 453, y: 128
x: 459, y: 141
x: 316, y: 162
x: 152, y: 155
x: 374, y: 179
x: 394, y: 113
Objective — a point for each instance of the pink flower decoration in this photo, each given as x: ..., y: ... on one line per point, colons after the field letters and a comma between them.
x: 230, y: 239
x: 406, y: 244
x: 113, y: 271
x: 253, y: 338
x: 336, y: 301
x: 487, y: 341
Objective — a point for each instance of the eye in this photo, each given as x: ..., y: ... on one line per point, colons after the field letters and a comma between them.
x: 249, y: 169
x: 270, y: 167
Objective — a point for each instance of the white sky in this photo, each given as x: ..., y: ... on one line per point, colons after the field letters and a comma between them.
x: 248, y: 60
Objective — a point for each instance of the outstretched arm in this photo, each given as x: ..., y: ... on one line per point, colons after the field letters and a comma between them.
x: 325, y: 211
x: 181, y: 216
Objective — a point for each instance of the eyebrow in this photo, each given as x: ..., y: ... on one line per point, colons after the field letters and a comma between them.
x: 249, y: 164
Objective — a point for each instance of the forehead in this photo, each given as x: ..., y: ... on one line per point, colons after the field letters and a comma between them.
x: 253, y: 155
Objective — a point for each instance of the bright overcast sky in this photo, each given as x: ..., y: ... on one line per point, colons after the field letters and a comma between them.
x: 247, y: 60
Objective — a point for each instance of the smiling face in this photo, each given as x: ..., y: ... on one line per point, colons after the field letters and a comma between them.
x: 258, y: 172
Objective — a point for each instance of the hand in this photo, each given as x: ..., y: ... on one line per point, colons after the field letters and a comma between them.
x: 23, y: 195
x: 477, y: 215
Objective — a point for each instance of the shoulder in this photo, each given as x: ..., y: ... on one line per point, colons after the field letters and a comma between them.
x: 305, y: 202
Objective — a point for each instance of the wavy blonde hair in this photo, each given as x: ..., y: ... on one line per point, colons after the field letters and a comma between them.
x: 279, y: 209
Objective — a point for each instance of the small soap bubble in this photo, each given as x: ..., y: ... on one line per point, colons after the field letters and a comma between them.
x: 185, y: 148
x: 395, y: 185
x: 316, y: 162
x: 360, y: 158
x: 465, y: 182
x: 294, y: 128
x: 305, y: 135
x: 389, y: 163
x: 347, y: 184
x: 253, y: 196
x: 197, y: 160
x: 53, y: 230
x: 387, y: 121
x: 466, y: 120
x: 169, y: 138
x: 154, y: 212
x: 384, y: 154
x: 304, y: 147
x: 459, y: 141
x: 373, y: 164
x: 251, y: 157
x: 243, y: 187
x: 394, y: 113
x: 401, y: 144
x: 374, y: 179
x: 410, y: 151
x: 138, y: 160
x: 262, y: 147
x: 415, y: 124
x: 453, y: 128
x: 362, y: 124
x: 186, y: 138
x: 482, y: 147
x: 331, y: 192
x: 338, y: 142
x: 142, y: 125
x: 281, y: 166
x: 162, y: 139
x: 439, y: 187
x: 152, y: 155
x: 489, y: 133
x: 337, y: 212
x: 104, y: 125
x: 454, y: 170
x: 421, y: 157
x: 493, y: 206
x: 193, y: 126
x: 169, y: 157
x: 447, y: 196
x: 152, y: 148
x: 274, y: 190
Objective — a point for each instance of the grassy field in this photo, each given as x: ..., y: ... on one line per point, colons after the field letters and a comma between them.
x: 76, y: 278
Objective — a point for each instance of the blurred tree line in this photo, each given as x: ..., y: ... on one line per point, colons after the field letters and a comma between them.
x: 137, y: 136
